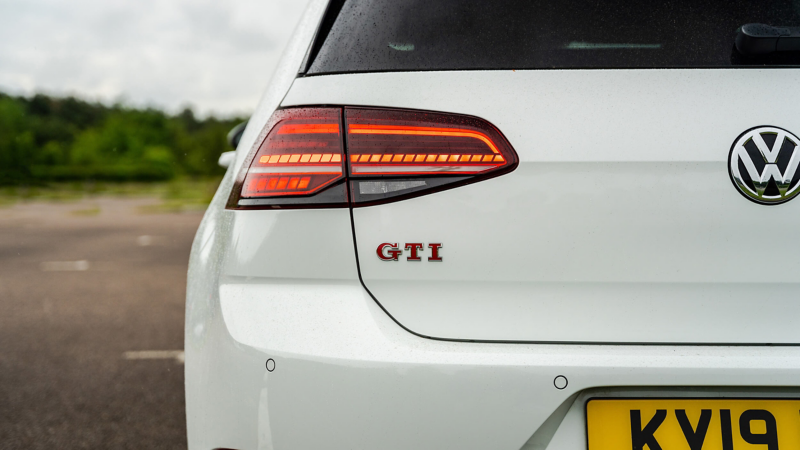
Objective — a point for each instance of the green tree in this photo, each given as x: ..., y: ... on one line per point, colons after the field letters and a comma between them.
x: 16, y: 143
x: 45, y: 139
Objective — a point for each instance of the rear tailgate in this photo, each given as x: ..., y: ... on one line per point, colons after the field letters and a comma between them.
x: 620, y: 224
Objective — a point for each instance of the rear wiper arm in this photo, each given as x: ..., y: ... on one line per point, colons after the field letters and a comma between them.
x: 756, y: 39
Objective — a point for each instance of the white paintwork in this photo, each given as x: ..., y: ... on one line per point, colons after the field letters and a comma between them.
x: 348, y: 377
x: 619, y: 225
x: 284, y: 285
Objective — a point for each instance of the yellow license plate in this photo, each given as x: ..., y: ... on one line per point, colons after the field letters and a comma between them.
x: 693, y: 424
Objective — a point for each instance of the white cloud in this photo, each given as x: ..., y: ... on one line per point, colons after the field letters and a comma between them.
x: 216, y: 56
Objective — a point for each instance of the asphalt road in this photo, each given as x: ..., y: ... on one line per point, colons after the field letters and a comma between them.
x: 82, y: 284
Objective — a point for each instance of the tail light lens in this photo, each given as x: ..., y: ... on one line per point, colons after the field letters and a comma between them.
x: 395, y: 153
x: 300, y: 162
x: 390, y: 155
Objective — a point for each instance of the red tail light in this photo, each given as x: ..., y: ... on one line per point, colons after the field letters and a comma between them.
x: 300, y: 158
x: 406, y: 143
x: 390, y: 154
x: 395, y: 153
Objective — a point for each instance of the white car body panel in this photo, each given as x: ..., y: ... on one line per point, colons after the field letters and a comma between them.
x: 347, y: 376
x: 284, y: 284
x: 344, y: 365
x: 619, y: 223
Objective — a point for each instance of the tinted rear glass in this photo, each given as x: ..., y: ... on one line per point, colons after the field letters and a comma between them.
x: 392, y: 35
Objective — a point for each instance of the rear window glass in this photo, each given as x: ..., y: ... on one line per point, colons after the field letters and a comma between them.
x: 395, y: 35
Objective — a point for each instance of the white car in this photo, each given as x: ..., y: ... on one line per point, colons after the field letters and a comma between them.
x: 509, y: 225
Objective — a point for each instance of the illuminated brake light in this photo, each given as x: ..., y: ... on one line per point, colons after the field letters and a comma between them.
x: 306, y: 157
x: 420, y: 131
x: 302, y: 159
x: 418, y: 164
x: 403, y: 143
x: 309, y: 128
x: 301, y: 155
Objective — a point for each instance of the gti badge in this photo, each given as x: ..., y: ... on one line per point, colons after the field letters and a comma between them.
x: 391, y: 252
x: 763, y: 163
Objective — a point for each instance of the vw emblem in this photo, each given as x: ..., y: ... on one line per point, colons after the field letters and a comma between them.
x: 763, y: 163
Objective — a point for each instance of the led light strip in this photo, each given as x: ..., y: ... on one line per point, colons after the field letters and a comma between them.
x: 279, y: 183
x: 317, y: 170
x: 425, y: 158
x: 412, y: 170
x: 421, y: 131
x: 301, y: 158
x: 308, y: 128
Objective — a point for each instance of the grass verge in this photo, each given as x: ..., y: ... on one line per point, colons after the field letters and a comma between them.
x: 179, y: 194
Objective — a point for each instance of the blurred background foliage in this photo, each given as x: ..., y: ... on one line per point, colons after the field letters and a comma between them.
x: 45, y: 140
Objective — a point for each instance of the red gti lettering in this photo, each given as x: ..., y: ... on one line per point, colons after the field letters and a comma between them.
x: 434, y: 252
x: 388, y: 255
x: 415, y: 249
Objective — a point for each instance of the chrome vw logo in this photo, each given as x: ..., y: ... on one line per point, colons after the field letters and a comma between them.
x: 763, y: 164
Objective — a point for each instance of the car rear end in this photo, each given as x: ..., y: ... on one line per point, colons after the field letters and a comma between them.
x: 507, y: 225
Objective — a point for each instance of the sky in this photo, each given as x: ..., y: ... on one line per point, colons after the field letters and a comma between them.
x: 213, y: 56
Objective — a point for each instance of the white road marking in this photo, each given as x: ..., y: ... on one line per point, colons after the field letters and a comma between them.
x: 64, y: 266
x: 155, y: 354
x: 148, y: 240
